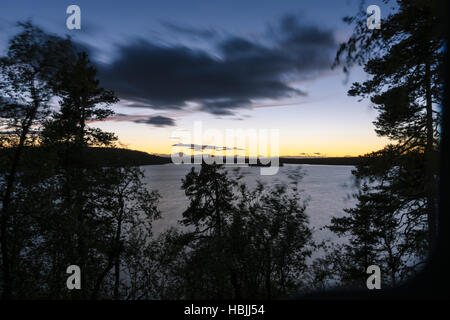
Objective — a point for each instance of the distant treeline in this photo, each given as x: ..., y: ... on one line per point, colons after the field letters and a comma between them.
x: 103, y: 157
x: 334, y: 161
x: 345, y: 161
x: 115, y: 157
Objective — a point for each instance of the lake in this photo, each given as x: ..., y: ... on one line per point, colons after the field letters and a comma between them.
x: 327, y: 187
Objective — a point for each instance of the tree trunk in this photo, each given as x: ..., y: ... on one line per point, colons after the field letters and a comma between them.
x: 117, y: 260
x: 430, y: 162
x: 6, y: 201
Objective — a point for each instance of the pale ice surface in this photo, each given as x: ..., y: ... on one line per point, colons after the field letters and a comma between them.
x: 327, y: 187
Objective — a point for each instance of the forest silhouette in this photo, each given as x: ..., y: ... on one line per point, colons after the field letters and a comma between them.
x: 62, y: 206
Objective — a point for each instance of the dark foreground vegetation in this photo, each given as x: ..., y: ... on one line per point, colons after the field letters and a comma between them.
x: 63, y: 206
x: 103, y: 157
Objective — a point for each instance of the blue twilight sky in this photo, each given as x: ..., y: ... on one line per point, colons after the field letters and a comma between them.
x: 260, y: 64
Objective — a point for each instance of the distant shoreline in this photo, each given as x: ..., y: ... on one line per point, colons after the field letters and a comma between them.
x: 118, y: 157
x: 335, y: 161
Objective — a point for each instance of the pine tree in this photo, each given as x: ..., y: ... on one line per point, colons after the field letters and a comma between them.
x: 82, y: 187
x: 396, y: 213
x: 26, y: 85
x: 240, y: 242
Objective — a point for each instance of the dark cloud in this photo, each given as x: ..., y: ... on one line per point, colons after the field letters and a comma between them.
x: 138, y: 105
x: 82, y: 46
x: 90, y: 27
x: 198, y: 147
x: 157, y: 121
x: 310, y: 44
x: 168, y: 77
x: 195, y: 147
x: 191, y: 31
x: 224, y: 106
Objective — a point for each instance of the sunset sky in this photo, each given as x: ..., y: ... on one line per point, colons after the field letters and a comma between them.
x: 234, y: 64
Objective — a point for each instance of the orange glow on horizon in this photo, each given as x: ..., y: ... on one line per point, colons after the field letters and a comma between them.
x: 289, y: 152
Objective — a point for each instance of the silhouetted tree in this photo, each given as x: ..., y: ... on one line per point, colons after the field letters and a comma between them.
x: 271, y: 240
x: 240, y: 242
x: 210, y: 193
x: 58, y: 206
x: 26, y: 86
x: 67, y: 132
x: 395, y: 219
x: 131, y: 208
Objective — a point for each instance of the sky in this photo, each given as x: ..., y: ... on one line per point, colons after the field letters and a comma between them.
x: 229, y: 65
